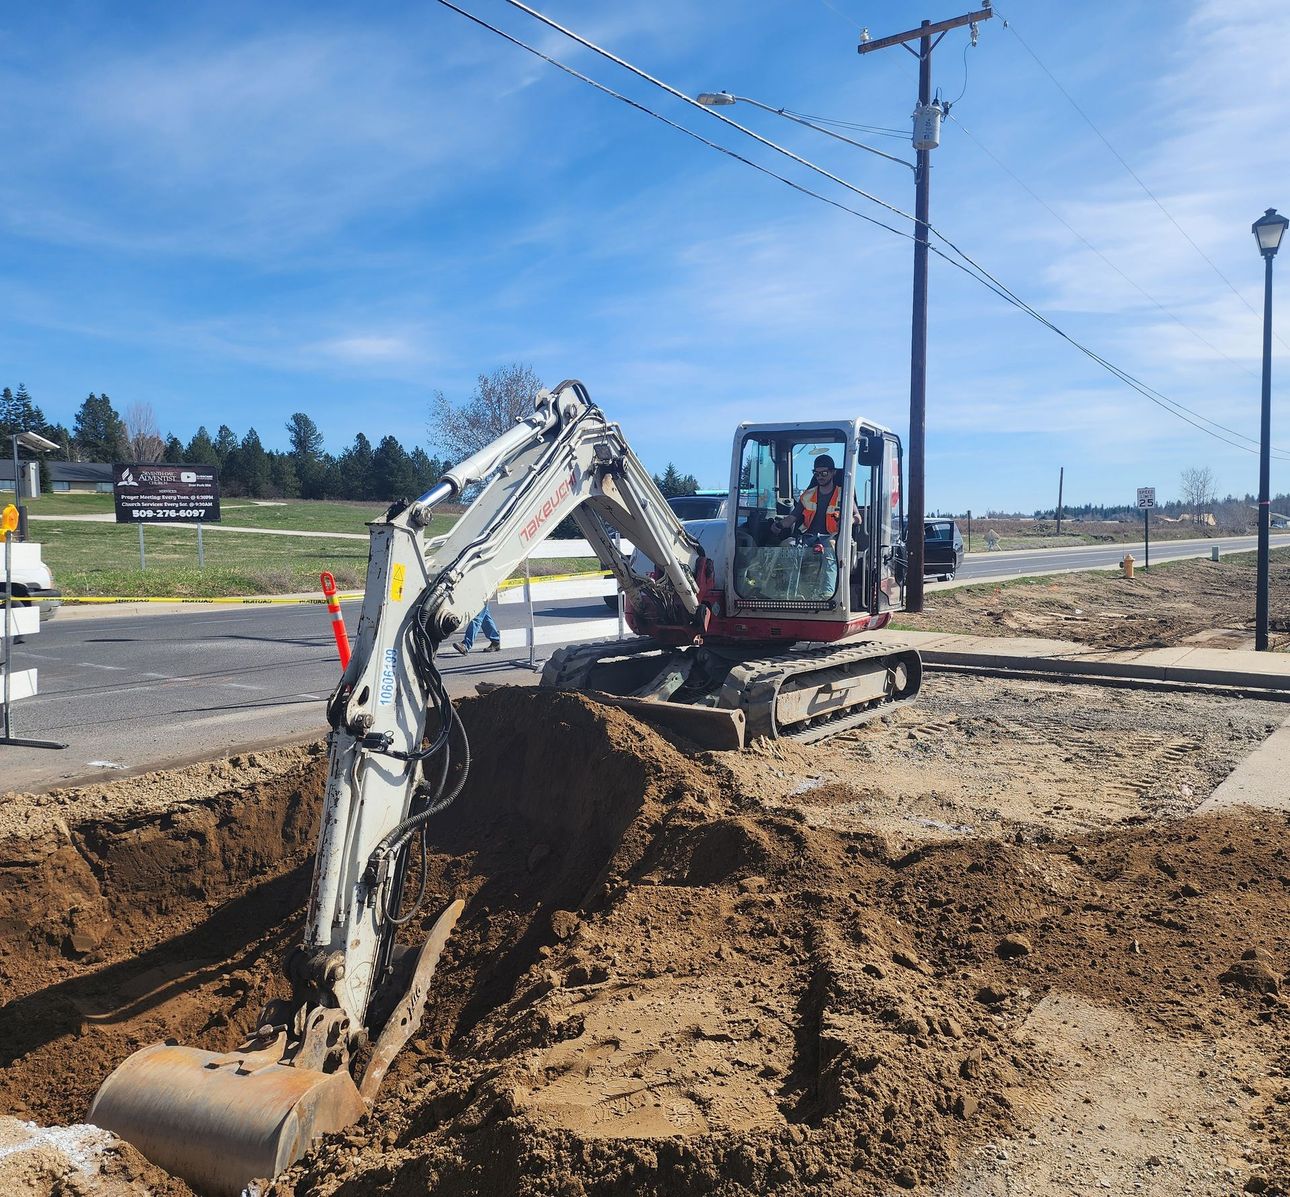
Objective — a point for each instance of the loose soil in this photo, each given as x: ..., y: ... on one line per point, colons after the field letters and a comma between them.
x: 980, y: 946
x: 1206, y: 603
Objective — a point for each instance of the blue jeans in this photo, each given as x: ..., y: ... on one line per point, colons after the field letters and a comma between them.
x: 824, y: 563
x: 483, y: 620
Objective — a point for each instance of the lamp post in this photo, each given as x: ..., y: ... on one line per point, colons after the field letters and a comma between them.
x: 1268, y: 230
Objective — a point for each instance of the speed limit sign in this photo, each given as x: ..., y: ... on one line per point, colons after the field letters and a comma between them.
x: 1146, y: 496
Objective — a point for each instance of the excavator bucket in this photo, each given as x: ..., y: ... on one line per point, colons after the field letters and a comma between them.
x: 218, y: 1120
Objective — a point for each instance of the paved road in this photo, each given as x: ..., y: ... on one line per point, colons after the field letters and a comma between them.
x: 130, y: 689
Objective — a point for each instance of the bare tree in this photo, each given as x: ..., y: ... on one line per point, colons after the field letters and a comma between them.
x: 500, y: 398
x: 1198, y: 491
x: 141, y: 432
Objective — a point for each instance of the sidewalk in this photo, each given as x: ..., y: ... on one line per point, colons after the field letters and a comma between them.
x: 1240, y: 669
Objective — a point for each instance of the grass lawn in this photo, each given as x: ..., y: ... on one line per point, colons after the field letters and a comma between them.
x: 101, y: 559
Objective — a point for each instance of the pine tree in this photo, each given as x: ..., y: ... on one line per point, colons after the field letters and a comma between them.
x: 98, y: 430
x: 201, y: 449
x: 226, y: 443
x: 282, y: 476
x: 307, y: 455
x: 253, y: 465
x: 393, y: 475
x: 174, y: 452
x: 670, y: 483
x: 356, y: 469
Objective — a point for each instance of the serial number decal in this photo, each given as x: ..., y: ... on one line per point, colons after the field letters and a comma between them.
x: 562, y: 492
x: 397, y: 575
x: 385, y: 691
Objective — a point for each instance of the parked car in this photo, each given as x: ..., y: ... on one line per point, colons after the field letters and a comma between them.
x: 942, y: 550
x: 703, y: 505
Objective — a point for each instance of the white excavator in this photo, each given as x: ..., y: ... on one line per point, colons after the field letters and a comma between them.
x: 747, y: 626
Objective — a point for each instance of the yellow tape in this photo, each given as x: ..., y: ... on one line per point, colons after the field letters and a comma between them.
x: 586, y: 575
x: 509, y: 584
x: 87, y: 600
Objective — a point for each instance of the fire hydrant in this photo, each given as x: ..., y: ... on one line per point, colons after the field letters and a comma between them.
x: 1127, y: 565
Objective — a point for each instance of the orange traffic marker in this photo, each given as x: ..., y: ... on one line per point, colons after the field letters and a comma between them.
x: 337, y: 619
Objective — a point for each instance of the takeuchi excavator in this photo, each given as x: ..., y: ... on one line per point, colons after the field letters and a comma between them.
x: 745, y: 626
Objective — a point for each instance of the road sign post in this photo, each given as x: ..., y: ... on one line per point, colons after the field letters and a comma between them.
x: 1146, y: 500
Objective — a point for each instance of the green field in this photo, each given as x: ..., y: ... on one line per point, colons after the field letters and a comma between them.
x: 98, y: 559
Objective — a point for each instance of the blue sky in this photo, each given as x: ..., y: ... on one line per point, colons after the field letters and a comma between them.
x: 233, y: 212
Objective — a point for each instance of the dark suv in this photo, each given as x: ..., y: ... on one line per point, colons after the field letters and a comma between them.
x: 942, y: 550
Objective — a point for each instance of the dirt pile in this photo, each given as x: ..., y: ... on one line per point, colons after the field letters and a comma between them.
x: 718, y: 975
x: 1180, y: 602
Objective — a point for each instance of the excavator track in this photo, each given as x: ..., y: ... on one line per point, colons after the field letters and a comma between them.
x: 572, y: 667
x: 801, y: 694
x: 812, y: 694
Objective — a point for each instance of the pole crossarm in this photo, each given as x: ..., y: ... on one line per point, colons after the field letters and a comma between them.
x: 880, y: 43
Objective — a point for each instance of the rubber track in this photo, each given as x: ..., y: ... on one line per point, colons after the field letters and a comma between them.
x: 570, y: 667
x: 751, y: 686
x: 754, y: 686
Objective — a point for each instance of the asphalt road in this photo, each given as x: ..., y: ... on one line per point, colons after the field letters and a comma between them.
x: 130, y: 689
x: 980, y: 566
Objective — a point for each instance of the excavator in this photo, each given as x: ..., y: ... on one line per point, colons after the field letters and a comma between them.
x: 745, y: 626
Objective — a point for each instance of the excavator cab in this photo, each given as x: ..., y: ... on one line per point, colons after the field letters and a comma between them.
x: 810, y: 537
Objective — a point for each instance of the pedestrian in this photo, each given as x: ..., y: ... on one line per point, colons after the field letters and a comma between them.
x: 483, y: 620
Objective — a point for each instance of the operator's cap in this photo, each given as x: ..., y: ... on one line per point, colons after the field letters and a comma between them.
x: 825, y: 462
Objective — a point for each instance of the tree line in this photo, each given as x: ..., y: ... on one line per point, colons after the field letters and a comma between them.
x: 383, y: 471
x: 365, y: 471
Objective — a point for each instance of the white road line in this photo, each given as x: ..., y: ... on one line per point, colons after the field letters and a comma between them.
x: 92, y: 665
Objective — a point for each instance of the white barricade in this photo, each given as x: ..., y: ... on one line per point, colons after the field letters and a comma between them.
x: 16, y: 623
x: 528, y: 590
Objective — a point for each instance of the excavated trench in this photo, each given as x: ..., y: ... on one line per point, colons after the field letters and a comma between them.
x: 665, y: 982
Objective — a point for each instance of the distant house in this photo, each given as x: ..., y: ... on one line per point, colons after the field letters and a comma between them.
x: 1277, y: 520
x: 66, y: 477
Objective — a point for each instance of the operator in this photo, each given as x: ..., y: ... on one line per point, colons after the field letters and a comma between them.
x: 817, y: 510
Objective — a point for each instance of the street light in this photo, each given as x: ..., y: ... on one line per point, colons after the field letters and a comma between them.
x: 1267, y: 231
x: 28, y: 440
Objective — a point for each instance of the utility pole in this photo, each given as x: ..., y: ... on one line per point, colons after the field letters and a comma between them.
x: 1061, y: 478
x: 918, y: 338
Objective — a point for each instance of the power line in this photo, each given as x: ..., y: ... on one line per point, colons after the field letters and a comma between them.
x: 877, y: 130
x: 972, y: 268
x: 1007, y: 24
x: 1093, y: 249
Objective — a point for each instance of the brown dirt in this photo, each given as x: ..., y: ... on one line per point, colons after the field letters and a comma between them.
x: 978, y: 947
x: 1209, y: 603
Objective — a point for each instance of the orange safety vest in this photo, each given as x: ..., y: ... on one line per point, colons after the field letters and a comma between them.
x: 810, y: 500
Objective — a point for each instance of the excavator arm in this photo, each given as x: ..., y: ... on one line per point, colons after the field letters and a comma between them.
x: 397, y: 757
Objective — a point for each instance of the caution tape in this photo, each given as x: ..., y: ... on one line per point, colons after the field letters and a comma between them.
x: 107, y: 600
x: 250, y: 601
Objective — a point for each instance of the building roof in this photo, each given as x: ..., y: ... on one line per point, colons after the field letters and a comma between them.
x: 64, y: 471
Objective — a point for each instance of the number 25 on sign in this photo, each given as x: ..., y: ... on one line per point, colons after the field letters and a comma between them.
x: 1146, y: 496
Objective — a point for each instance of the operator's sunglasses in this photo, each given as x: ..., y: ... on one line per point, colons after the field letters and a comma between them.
x: 825, y: 470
